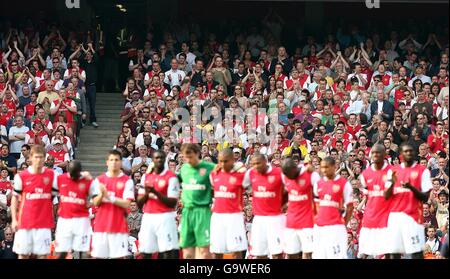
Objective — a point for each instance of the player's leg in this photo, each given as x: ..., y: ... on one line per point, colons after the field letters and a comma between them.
x: 395, y: 241
x: 258, y: 240
x: 202, y: 226
x: 414, y: 237
x: 165, y: 228
x: 189, y: 253
x: 275, y: 233
x: 118, y: 245
x: 23, y: 243
x: 306, y: 241
x: 147, y: 237
x: 291, y: 244
x: 82, y: 238
x: 187, y: 236
x: 236, y: 235
x: 319, y: 243
x: 218, y: 231
x: 42, y: 239
x: 100, y: 247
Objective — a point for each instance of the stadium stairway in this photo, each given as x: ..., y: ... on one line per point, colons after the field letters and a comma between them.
x: 96, y: 142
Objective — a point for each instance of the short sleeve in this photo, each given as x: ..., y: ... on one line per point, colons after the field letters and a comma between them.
x: 315, y: 187
x: 128, y: 192
x: 55, y: 182
x: 426, y: 181
x: 91, y: 188
x: 246, y: 182
x: 315, y: 177
x: 18, y: 187
x: 173, y: 190
x: 348, y: 191
x: 95, y: 187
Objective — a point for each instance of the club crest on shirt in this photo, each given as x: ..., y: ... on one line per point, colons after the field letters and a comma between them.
x: 120, y: 185
x: 384, y: 178
x: 414, y: 174
x: 202, y: 171
x: 82, y: 186
x: 336, y: 188
x: 301, y: 182
x: 161, y: 183
x: 232, y: 180
x: 46, y: 180
x: 271, y: 179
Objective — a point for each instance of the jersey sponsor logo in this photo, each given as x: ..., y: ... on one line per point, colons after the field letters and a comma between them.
x: 202, y: 171
x: 336, y: 188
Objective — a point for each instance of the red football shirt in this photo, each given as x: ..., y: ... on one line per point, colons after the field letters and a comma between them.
x: 267, y: 191
x: 73, y: 196
x: 166, y: 183
x: 376, y: 213
x: 333, y: 194
x: 300, y: 211
x: 228, y: 190
x: 111, y: 218
x: 36, y: 208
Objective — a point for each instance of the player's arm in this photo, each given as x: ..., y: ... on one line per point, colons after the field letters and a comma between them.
x: 348, y: 190
x: 98, y: 192
x: 173, y: 193
x: 142, y: 193
x: 285, y: 194
x: 426, y: 186
x: 389, y: 186
x: 246, y: 182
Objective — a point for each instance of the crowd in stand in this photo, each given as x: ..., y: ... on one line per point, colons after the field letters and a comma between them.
x: 333, y: 96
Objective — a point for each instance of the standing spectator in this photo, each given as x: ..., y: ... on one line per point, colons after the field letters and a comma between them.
x: 174, y: 76
x: 17, y: 135
x: 90, y: 65
x: 282, y: 59
x: 382, y: 107
x: 134, y: 220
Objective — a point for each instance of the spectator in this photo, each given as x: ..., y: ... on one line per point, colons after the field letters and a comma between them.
x: 134, y: 220
x: 17, y: 134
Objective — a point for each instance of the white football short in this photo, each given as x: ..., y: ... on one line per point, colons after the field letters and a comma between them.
x: 109, y: 245
x: 298, y: 240
x: 405, y: 234
x: 73, y: 234
x: 228, y: 233
x: 330, y: 242
x: 267, y: 235
x: 373, y: 241
x: 32, y: 241
x: 158, y: 233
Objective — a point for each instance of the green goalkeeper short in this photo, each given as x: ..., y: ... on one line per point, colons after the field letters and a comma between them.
x: 195, y: 224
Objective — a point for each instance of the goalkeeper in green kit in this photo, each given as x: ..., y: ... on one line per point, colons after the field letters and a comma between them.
x: 196, y: 197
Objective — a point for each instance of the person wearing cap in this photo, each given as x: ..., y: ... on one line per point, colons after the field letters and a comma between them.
x: 237, y: 154
x: 61, y: 157
x: 441, y: 205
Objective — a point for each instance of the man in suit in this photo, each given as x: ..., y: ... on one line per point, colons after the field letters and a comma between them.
x: 382, y: 107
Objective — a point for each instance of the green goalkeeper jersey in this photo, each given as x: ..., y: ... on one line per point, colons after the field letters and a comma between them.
x: 195, y: 184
